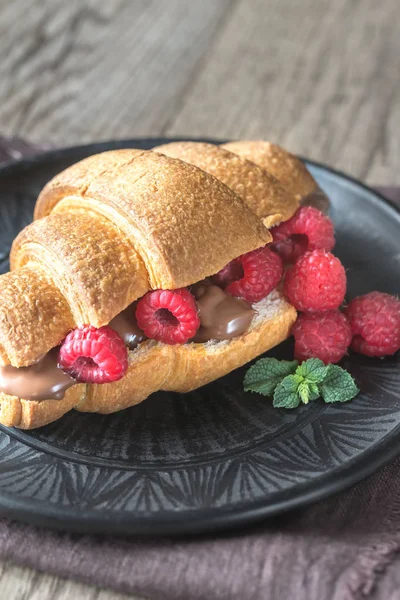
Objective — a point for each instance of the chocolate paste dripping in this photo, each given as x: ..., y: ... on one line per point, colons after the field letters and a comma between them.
x: 44, y: 380
x: 222, y: 317
x: 41, y: 381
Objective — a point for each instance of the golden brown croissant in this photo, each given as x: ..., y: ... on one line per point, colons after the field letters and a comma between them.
x: 257, y: 187
x: 117, y: 225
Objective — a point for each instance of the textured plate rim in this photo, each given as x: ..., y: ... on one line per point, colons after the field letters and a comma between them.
x: 204, y: 520
x: 213, y: 518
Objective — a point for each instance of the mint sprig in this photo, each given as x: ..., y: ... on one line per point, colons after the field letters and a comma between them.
x: 291, y: 384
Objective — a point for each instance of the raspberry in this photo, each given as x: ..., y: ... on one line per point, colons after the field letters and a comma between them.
x: 317, y: 281
x: 324, y: 335
x: 230, y: 273
x: 375, y: 323
x: 252, y: 276
x: 308, y: 229
x: 92, y: 355
x: 169, y: 316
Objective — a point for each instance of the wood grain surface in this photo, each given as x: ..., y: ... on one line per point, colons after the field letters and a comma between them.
x: 17, y: 583
x: 320, y: 77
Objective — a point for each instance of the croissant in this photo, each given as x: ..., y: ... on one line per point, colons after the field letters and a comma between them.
x: 287, y: 168
x: 116, y: 225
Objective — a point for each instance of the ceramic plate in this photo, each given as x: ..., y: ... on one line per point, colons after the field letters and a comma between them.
x: 218, y: 456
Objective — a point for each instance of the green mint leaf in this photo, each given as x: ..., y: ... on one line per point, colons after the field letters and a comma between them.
x: 313, y: 370
x: 313, y: 390
x: 304, y: 391
x: 338, y: 385
x: 308, y: 391
x: 266, y: 373
x: 286, y: 392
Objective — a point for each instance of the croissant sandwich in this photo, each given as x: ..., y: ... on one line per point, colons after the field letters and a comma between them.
x: 146, y: 271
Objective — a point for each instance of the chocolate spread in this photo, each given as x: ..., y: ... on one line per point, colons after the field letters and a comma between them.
x: 222, y: 317
x: 126, y: 325
x: 41, y: 381
x: 318, y: 199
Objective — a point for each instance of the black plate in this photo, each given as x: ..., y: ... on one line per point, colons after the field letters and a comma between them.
x: 217, y: 456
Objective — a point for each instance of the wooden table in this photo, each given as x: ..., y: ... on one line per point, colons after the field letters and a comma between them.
x: 320, y: 77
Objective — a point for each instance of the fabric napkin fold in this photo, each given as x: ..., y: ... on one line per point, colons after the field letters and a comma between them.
x: 337, y: 549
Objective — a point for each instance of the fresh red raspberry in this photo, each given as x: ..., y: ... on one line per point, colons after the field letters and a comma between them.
x: 252, y: 276
x: 230, y: 273
x: 317, y: 281
x: 375, y: 323
x: 324, y: 335
x: 169, y: 316
x: 92, y: 355
x: 308, y: 229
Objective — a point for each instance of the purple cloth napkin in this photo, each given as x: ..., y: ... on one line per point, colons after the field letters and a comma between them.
x: 337, y: 549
